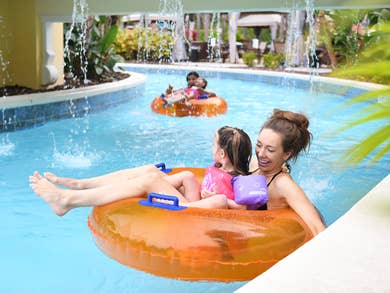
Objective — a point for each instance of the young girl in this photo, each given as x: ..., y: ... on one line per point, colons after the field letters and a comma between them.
x: 197, y: 91
x: 190, y: 78
x: 232, y: 153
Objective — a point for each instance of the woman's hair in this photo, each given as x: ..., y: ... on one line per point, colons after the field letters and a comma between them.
x: 194, y: 73
x: 238, y: 147
x: 294, y: 130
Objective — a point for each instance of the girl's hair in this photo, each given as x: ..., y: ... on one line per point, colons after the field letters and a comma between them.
x: 194, y: 73
x: 294, y: 130
x: 238, y: 147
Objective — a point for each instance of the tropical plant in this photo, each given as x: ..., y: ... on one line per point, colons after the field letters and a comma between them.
x: 374, y: 66
x: 90, y: 49
x: 101, y: 51
x: 249, y: 59
x: 272, y: 60
x: 144, y: 44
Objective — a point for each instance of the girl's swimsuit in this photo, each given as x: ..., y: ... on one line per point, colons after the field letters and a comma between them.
x: 264, y: 206
x: 219, y: 181
x: 196, y: 94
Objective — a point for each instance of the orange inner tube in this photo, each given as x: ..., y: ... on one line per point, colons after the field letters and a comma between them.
x: 196, y: 244
x: 205, y: 107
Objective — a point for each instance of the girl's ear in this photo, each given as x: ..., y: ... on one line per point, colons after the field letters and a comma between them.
x: 222, y: 153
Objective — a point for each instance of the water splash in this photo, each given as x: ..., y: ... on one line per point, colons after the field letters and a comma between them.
x: 6, y: 147
x: 74, y: 157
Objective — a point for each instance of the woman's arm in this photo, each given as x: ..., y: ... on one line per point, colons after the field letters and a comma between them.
x: 300, y: 203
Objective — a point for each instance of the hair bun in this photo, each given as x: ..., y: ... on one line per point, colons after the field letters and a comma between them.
x: 299, y: 120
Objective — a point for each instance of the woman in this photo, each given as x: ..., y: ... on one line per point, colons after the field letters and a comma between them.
x: 231, y: 151
x: 282, y: 137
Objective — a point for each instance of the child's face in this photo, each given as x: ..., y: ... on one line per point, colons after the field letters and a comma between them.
x: 191, y: 80
x: 216, y: 149
x: 199, y: 82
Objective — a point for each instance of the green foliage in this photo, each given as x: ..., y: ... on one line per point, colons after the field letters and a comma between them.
x: 101, y: 54
x: 144, y: 44
x: 249, y: 58
x: 265, y: 35
x: 271, y: 60
x: 96, y: 54
x: 374, y: 66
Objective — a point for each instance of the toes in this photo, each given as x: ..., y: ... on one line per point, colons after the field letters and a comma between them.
x: 37, y: 175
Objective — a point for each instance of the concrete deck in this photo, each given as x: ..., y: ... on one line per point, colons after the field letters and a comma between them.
x: 352, y: 255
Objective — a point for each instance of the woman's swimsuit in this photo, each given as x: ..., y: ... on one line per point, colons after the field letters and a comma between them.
x: 264, y: 206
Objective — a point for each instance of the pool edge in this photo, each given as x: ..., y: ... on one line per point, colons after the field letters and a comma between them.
x: 350, y: 255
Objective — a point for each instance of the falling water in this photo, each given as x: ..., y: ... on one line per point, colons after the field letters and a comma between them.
x: 3, y: 61
x: 78, y: 155
x: 214, y: 39
x: 311, y: 42
x: 6, y: 146
x: 172, y: 14
x: 79, y: 24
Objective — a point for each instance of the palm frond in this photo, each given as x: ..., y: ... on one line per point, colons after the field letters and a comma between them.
x: 360, y: 151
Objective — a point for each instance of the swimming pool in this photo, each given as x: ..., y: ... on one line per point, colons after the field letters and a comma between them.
x: 41, y: 252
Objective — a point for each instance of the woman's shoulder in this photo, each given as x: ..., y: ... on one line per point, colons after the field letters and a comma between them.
x: 284, y: 182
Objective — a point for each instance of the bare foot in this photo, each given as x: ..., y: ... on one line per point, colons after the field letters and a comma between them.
x: 49, y: 193
x: 67, y: 182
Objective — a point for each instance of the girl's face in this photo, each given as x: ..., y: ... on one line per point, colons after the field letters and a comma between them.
x: 216, y: 149
x: 191, y: 80
x: 199, y: 82
x: 269, y: 151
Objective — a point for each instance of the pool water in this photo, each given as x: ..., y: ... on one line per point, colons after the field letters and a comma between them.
x: 41, y: 252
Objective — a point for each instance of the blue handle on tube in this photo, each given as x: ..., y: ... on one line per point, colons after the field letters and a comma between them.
x: 162, y: 168
x: 162, y: 205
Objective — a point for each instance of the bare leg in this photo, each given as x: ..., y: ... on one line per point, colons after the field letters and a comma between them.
x: 61, y: 200
x: 217, y: 201
x: 176, y: 98
x: 93, y: 182
x: 187, y: 180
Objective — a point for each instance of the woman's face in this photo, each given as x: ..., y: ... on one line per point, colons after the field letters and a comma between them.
x: 191, y: 80
x: 269, y: 151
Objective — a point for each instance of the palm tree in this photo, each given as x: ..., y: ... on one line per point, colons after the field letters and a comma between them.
x: 374, y: 66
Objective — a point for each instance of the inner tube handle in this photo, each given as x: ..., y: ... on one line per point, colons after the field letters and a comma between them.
x: 162, y: 168
x: 173, y: 207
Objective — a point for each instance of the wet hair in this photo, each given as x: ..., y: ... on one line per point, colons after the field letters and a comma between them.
x: 294, y: 130
x: 204, y: 81
x: 238, y: 147
x: 194, y: 73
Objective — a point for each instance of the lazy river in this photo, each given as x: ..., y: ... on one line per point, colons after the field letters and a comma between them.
x: 41, y: 252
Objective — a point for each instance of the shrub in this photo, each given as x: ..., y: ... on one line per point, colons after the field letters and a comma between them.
x: 144, y: 44
x: 272, y: 60
x: 249, y: 58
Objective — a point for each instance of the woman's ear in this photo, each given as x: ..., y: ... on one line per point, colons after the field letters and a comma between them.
x: 286, y: 156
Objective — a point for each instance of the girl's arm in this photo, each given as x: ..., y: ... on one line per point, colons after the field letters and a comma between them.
x: 235, y: 206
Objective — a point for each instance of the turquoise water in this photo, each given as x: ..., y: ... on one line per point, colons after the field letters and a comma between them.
x: 41, y: 252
